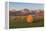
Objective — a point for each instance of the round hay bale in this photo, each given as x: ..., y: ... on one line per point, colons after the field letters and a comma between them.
x: 29, y: 18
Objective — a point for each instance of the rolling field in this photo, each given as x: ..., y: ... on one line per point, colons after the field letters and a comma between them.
x: 20, y: 22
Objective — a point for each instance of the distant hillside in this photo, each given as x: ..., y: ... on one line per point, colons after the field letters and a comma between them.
x: 25, y: 12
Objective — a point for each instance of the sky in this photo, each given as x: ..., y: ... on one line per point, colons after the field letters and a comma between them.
x: 20, y: 6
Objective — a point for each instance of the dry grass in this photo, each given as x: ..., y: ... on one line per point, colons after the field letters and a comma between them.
x: 20, y: 22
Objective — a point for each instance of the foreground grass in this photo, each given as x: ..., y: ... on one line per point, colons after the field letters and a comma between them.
x: 20, y: 22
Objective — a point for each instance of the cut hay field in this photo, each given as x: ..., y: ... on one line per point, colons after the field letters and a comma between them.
x: 20, y: 22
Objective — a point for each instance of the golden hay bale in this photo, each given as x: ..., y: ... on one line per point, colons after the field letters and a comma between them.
x: 29, y: 18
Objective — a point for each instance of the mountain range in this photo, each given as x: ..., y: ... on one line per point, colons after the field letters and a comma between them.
x: 13, y: 12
